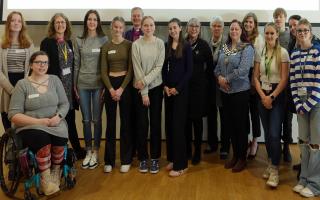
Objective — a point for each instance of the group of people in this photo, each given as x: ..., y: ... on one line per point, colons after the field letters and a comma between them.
x: 269, y: 75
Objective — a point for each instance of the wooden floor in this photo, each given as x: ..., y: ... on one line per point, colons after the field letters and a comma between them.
x: 208, y: 180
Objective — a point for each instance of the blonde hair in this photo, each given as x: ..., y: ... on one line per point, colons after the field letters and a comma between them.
x: 277, y: 47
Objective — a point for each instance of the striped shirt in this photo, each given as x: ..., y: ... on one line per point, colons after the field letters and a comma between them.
x: 16, y: 58
x: 305, y: 74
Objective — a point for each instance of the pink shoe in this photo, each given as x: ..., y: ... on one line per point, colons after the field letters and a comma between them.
x: 169, y: 166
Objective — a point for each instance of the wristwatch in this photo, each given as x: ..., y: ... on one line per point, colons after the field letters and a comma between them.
x: 60, y: 115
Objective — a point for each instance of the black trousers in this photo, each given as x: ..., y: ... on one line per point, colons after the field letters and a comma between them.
x: 254, y: 115
x: 43, y: 138
x: 125, y: 124
x: 72, y: 130
x: 5, y: 120
x: 212, y: 117
x: 287, y: 121
x: 197, y: 125
x: 142, y: 119
x: 134, y: 123
x: 225, y: 138
x: 236, y: 110
x: 176, y: 108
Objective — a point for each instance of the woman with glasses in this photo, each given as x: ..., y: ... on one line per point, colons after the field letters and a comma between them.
x: 197, y: 100
x: 305, y: 89
x: 59, y: 48
x: 88, y: 85
x: 15, y: 51
x: 271, y: 77
x: 37, y: 108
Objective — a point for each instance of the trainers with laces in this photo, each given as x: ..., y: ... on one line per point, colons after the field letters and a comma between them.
x: 154, y: 168
x: 306, y: 192
x: 86, y: 161
x: 266, y: 172
x: 125, y: 168
x: 143, y: 166
x: 273, y: 180
x: 298, y: 188
x: 94, y: 160
x: 107, y: 168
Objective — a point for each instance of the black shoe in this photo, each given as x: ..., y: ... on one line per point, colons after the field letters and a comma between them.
x: 81, y: 154
x: 286, y: 153
x: 196, y: 157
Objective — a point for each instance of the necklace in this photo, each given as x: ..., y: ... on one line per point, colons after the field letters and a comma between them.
x: 42, y: 83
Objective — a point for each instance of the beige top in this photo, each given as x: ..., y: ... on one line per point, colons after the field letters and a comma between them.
x: 6, y: 88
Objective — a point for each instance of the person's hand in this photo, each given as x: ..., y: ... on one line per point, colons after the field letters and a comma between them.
x: 55, y: 120
x: 76, y: 93
x: 146, y: 100
x: 301, y: 112
x: 118, y: 93
x: 113, y: 94
x: 173, y: 91
x: 44, y: 121
x: 139, y: 85
x: 167, y: 91
x: 267, y: 102
x: 223, y: 83
x: 102, y: 95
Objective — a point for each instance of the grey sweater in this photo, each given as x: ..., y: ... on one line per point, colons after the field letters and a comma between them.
x: 87, y: 71
x: 147, y: 60
x: 27, y: 100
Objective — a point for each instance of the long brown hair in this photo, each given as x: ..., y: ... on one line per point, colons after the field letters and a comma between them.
x: 252, y: 37
x: 178, y: 52
x: 99, y: 30
x: 52, y: 30
x: 24, y: 39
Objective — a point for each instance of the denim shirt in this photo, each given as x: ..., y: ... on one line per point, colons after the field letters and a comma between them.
x: 235, y: 68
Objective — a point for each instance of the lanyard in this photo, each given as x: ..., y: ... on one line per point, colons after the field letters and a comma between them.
x: 64, y: 51
x: 267, y: 63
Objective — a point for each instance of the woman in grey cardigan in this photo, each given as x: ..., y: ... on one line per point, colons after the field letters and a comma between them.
x: 147, y: 57
x: 15, y: 51
x: 88, y: 84
x: 37, y: 109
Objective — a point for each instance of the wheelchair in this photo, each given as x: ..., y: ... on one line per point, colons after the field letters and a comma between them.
x: 18, y: 165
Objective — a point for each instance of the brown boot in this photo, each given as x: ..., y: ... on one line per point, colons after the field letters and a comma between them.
x: 48, y: 187
x: 231, y: 163
x: 241, y: 165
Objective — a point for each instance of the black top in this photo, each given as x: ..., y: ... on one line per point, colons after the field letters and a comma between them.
x: 176, y: 72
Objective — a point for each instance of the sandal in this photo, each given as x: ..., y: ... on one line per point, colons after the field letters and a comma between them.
x: 174, y: 173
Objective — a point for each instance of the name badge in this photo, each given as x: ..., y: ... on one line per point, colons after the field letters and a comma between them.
x: 66, y: 71
x: 302, y: 91
x: 266, y: 86
x: 19, y: 50
x: 32, y: 96
x: 95, y: 51
x: 112, y: 52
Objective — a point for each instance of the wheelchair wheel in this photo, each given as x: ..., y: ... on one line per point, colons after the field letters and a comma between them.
x: 9, y: 165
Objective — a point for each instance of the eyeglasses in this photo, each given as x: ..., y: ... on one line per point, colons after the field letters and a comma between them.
x: 60, y: 22
x: 38, y: 62
x: 305, y: 31
x: 194, y: 26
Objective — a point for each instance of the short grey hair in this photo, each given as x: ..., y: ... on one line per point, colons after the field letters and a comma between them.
x: 217, y: 19
x: 194, y: 21
x: 137, y: 8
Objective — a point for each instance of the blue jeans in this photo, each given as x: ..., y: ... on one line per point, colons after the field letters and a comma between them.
x: 271, y: 121
x: 91, y: 108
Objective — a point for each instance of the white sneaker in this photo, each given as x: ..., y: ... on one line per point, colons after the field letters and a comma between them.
x: 298, y: 188
x: 306, y: 192
x: 86, y: 161
x: 273, y: 180
x: 107, y: 168
x: 125, y: 168
x: 94, y: 160
x: 266, y: 172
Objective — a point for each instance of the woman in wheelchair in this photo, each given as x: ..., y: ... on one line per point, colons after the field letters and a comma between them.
x: 37, y: 110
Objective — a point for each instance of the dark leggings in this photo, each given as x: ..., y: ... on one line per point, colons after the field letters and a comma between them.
x: 36, y: 139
